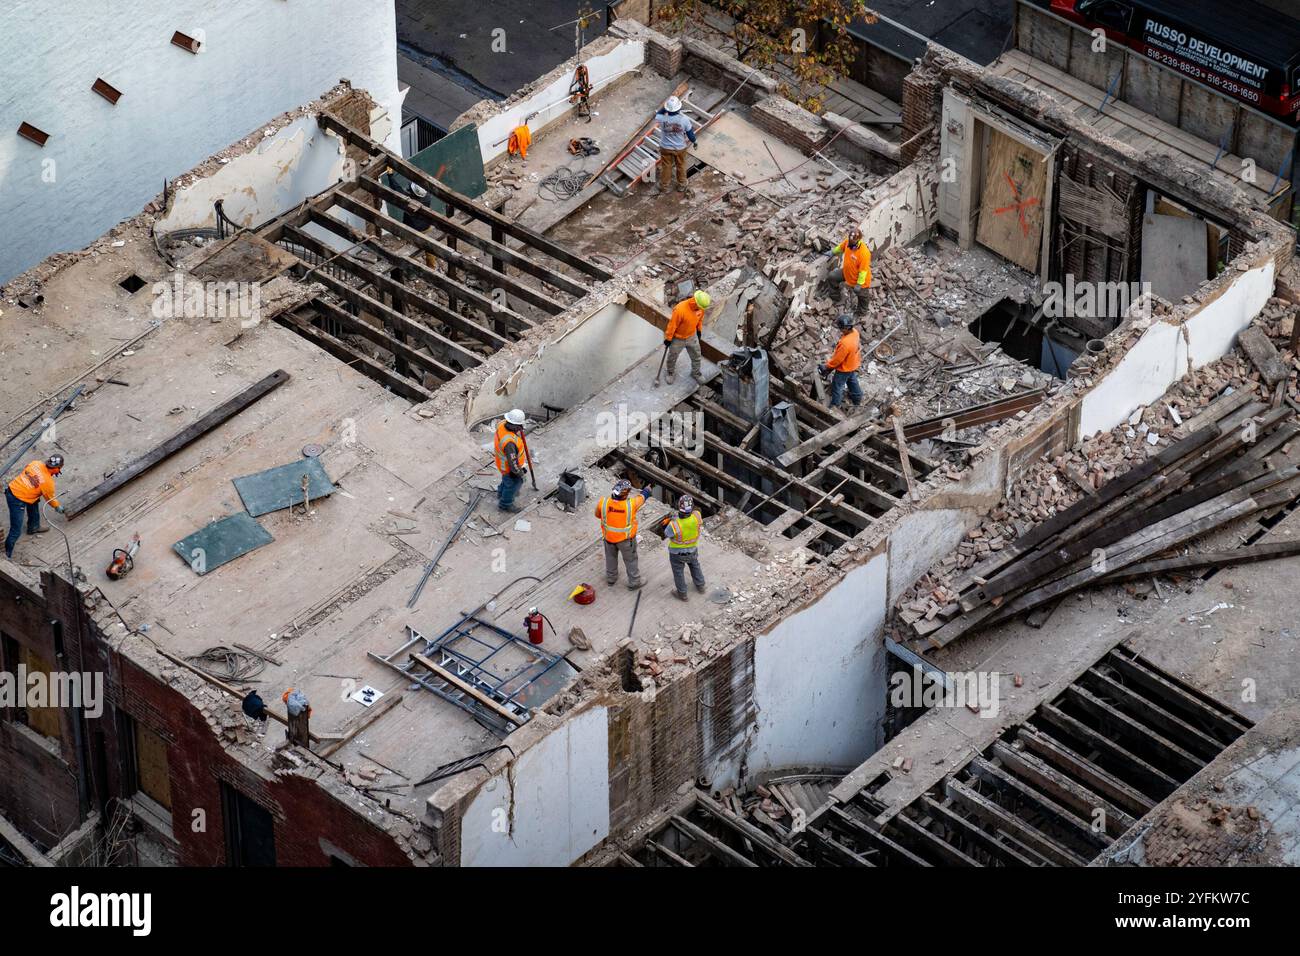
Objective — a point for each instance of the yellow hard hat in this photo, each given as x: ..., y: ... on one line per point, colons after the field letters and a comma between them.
x: 702, y: 299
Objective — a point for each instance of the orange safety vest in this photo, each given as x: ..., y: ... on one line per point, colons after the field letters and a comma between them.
x: 505, y: 438
x: 685, y: 321
x: 34, y: 482
x: 520, y: 139
x: 848, y: 354
x: 857, y: 264
x: 618, y: 518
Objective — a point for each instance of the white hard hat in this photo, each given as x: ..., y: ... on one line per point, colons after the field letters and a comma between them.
x: 418, y: 191
x: 672, y: 104
x: 515, y: 416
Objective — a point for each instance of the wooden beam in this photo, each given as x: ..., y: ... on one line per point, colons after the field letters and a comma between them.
x: 1268, y: 551
x: 488, y: 308
x: 379, y: 220
x: 370, y: 367
x: 465, y: 234
x: 1070, y: 793
x: 1159, y: 782
x: 824, y: 438
x: 436, y: 342
x: 973, y: 834
x: 1053, y: 752
x: 463, y: 203
x: 948, y: 854
x: 771, y: 846
x: 735, y: 857
x: 358, y: 326
x: 182, y: 439
x: 1227, y: 725
x: 443, y: 674
x: 903, y: 460
x: 1151, y: 714
x: 453, y: 320
x: 993, y: 815
x: 898, y: 853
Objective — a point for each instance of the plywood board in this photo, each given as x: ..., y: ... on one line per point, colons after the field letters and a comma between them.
x: 1011, y: 203
x: 1173, y: 254
x: 221, y: 542
x: 282, y: 487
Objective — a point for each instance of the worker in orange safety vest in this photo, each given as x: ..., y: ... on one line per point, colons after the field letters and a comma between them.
x: 843, y: 365
x: 508, y: 448
x: 24, y: 494
x: 685, y: 327
x: 617, y: 513
x: 856, y: 270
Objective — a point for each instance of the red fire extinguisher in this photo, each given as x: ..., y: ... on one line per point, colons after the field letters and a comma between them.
x: 534, y: 624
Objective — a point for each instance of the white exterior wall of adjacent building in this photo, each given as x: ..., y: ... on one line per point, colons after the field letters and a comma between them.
x: 104, y: 162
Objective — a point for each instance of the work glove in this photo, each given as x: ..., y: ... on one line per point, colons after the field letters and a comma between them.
x: 826, y: 371
x: 667, y: 342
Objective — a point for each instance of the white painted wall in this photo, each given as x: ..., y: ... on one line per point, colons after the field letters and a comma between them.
x: 102, y: 162
x: 902, y: 208
x: 559, y: 791
x: 296, y: 163
x: 1161, y: 355
x: 551, y: 101
x: 819, y: 678
x: 569, y: 370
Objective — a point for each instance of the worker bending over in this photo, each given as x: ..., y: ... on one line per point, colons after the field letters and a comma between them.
x: 617, y: 514
x: 856, y: 269
x: 682, y: 532
x: 844, y: 363
x: 675, y: 128
x: 684, y: 331
x: 24, y: 494
x: 510, y: 457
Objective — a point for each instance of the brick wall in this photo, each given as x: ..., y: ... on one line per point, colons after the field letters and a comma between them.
x: 725, y: 72
x: 922, y: 107
x: 790, y: 123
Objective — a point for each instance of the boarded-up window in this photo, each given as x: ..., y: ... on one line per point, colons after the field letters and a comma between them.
x: 152, y: 774
x: 43, y: 720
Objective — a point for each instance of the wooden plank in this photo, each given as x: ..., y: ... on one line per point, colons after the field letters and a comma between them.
x: 1262, y: 355
x: 1131, y: 729
x: 371, y: 714
x: 1159, y: 782
x: 1208, y: 559
x: 444, y: 674
x: 877, y: 839
x: 1063, y: 758
x: 669, y: 855
x: 463, y: 233
x: 949, y: 854
x: 463, y: 203
x: 1227, y: 724
x: 371, y: 368
x: 401, y: 293
x: 708, y: 839
x: 987, y: 842
x: 1151, y: 713
x: 182, y: 439
x: 902, y: 457
x: 1082, y: 801
x: 824, y: 438
x: 486, y: 306
x: 454, y: 259
x: 783, y: 853
x: 993, y: 815
x: 359, y: 326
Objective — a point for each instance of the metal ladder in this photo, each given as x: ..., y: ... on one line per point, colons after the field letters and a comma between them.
x: 641, y: 154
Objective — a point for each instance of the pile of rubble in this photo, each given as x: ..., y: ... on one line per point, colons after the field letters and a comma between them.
x: 1049, y: 486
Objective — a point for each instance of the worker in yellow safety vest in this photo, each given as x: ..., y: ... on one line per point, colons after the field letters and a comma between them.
x: 682, y: 532
x: 855, y: 267
x: 617, y: 514
x: 24, y: 494
x: 508, y: 447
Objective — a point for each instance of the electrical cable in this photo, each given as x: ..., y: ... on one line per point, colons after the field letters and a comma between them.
x: 562, y: 184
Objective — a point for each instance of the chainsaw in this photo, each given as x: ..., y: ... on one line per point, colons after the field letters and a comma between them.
x: 123, y: 560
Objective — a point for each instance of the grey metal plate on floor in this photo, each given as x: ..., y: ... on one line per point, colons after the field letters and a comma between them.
x: 221, y: 542
x: 281, y: 487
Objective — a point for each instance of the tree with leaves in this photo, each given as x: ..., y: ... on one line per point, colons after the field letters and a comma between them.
x: 806, y: 41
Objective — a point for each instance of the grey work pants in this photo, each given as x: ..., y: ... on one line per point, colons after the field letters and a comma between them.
x: 692, y: 347
x: 628, y: 550
x: 855, y: 298
x: 682, y: 558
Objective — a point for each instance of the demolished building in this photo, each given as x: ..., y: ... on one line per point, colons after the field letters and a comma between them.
x: 318, y: 465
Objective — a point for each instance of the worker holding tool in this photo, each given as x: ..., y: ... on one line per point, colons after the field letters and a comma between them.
x: 842, y: 368
x: 510, y: 458
x: 682, y: 532
x: 675, y: 128
x: 24, y: 494
x: 684, y: 331
x: 856, y: 269
x: 617, y: 514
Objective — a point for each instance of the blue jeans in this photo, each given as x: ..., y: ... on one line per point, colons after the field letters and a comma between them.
x: 682, y: 559
x: 841, y: 379
x: 506, y: 491
x: 16, y: 510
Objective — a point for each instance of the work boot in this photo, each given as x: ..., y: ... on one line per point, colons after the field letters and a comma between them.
x: 700, y: 588
x: 40, y: 530
x: 685, y: 191
x: 670, y: 378
x: 697, y: 376
x: 680, y: 595
x: 635, y: 585
x: 510, y: 509
x: 610, y: 582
